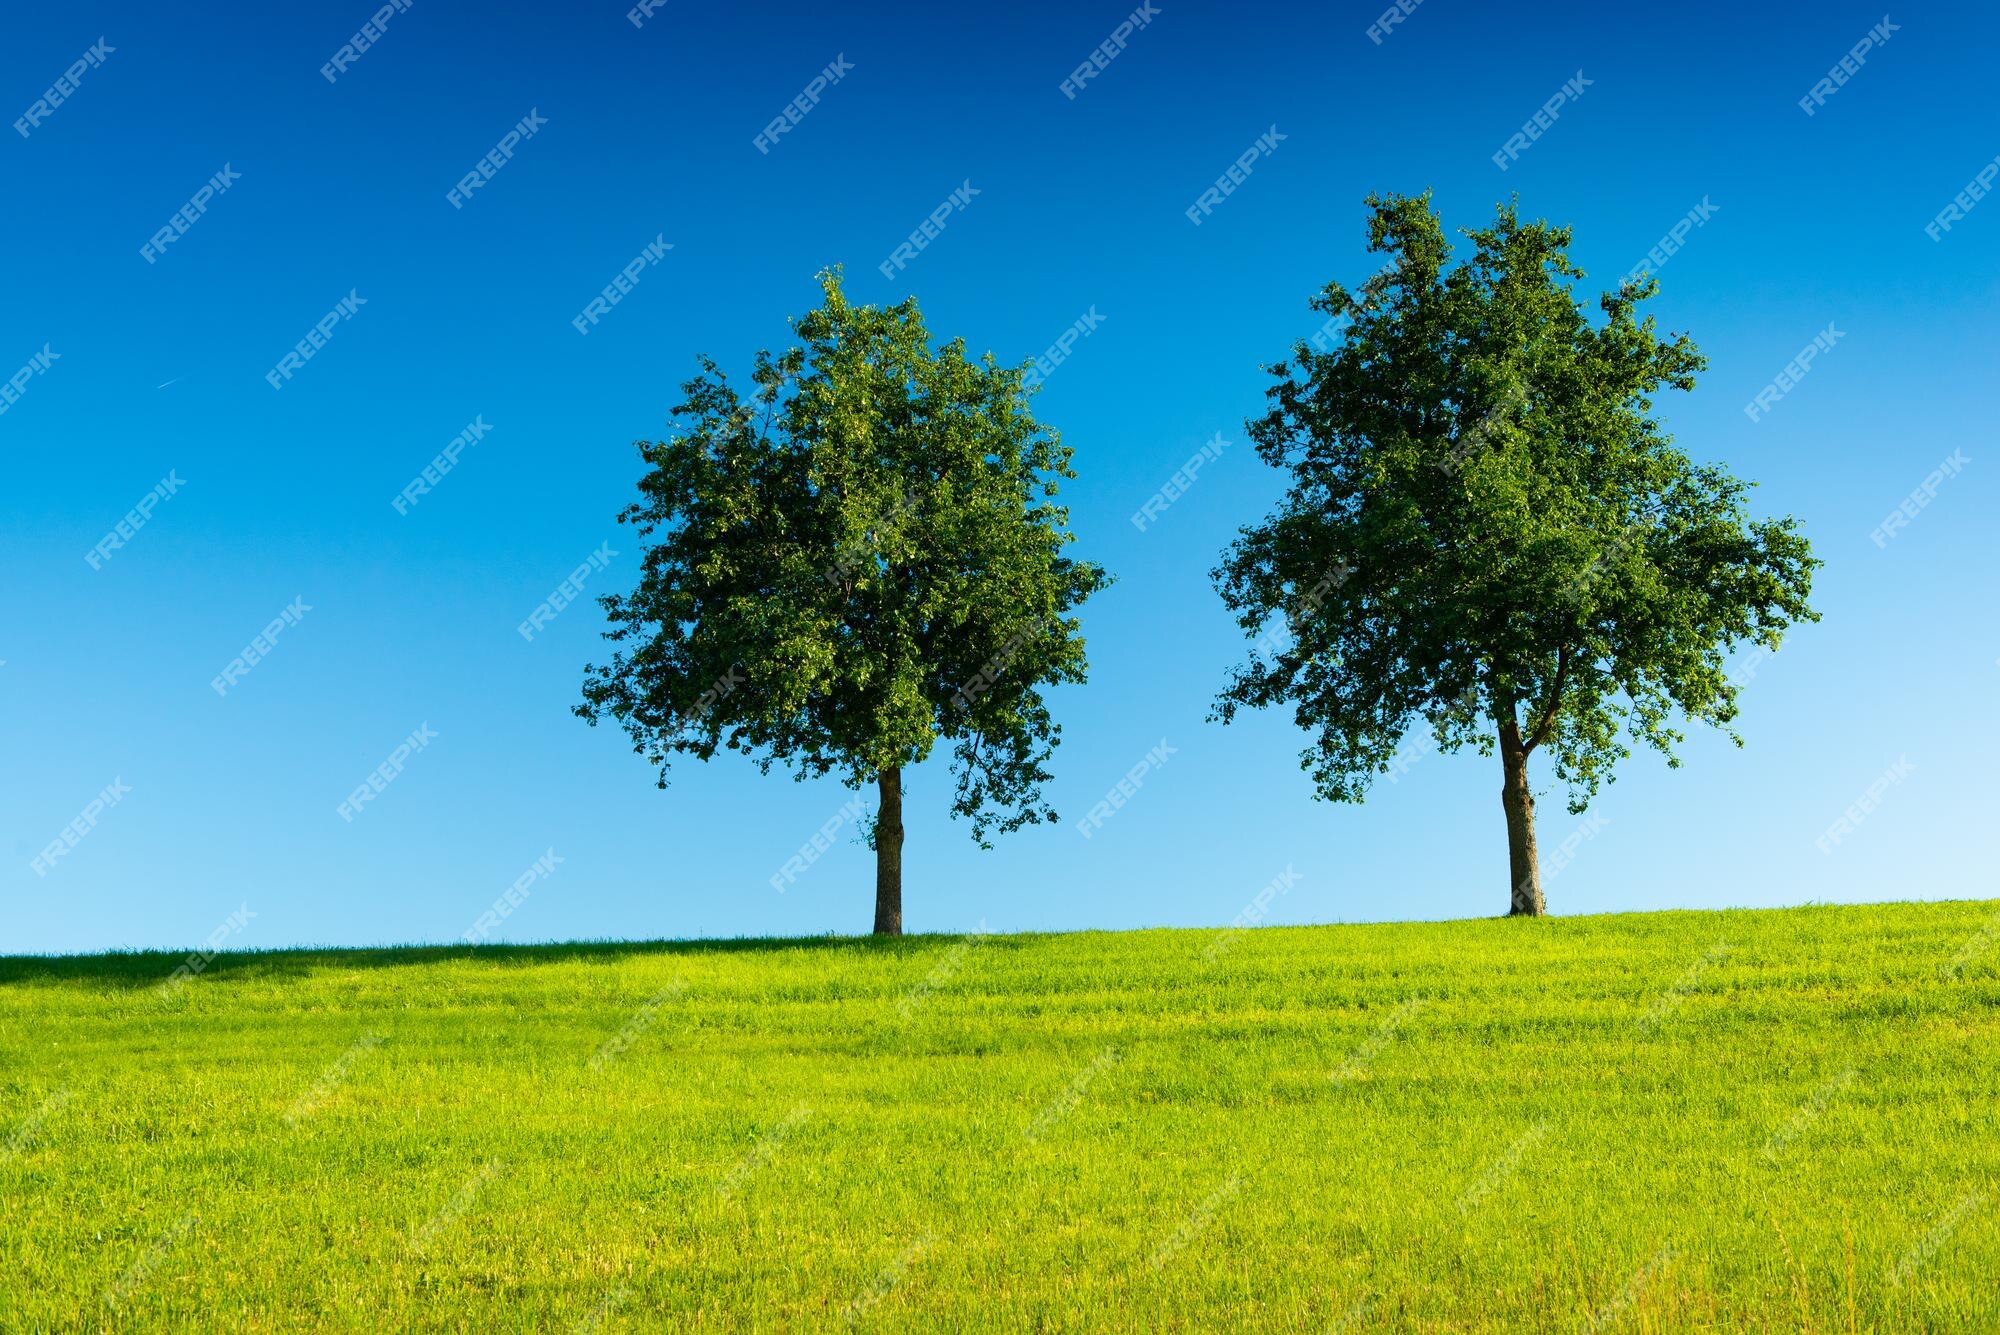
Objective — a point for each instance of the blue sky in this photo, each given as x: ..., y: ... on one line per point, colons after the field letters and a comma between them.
x: 283, y: 496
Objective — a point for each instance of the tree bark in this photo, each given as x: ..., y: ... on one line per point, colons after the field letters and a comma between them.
x: 1523, y: 867
x: 889, y: 854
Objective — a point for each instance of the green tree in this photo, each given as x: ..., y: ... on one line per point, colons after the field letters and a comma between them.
x: 1487, y: 534
x: 863, y: 559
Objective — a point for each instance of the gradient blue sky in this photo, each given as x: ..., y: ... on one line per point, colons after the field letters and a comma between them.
x: 1818, y: 219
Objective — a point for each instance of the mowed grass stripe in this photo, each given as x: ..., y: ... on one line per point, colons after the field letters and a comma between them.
x: 1496, y: 1125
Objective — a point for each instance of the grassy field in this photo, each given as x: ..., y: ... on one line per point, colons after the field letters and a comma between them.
x: 1776, y: 1121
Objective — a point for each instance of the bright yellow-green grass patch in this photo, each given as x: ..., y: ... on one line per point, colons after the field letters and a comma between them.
x: 1773, y: 1121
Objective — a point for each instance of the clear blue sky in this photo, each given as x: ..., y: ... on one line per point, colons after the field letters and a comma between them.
x: 285, y: 493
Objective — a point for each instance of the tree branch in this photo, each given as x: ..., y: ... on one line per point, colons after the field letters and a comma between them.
x: 1541, y: 732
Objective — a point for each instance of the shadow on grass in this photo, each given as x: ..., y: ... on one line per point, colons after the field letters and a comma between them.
x: 147, y: 968
x: 135, y: 969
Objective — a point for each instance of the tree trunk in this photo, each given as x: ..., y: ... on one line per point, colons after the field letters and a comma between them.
x: 1524, y: 869
x: 889, y: 854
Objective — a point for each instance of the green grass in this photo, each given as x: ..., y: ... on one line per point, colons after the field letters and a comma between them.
x: 1470, y: 1126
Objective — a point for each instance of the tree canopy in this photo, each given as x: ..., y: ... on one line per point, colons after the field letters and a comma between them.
x: 863, y: 557
x: 1488, y: 535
